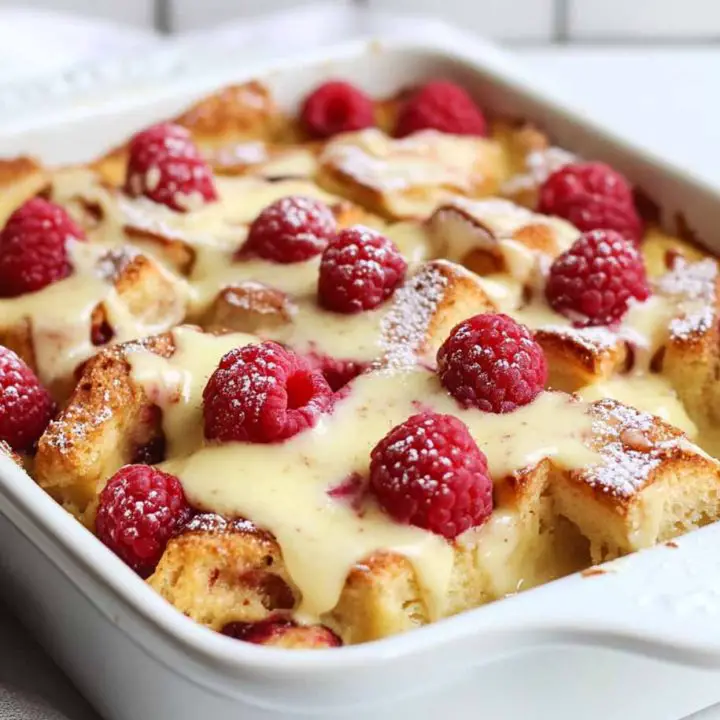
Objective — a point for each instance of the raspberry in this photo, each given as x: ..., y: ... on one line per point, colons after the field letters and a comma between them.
x: 592, y: 196
x: 263, y: 393
x: 336, y: 371
x: 282, y: 633
x: 594, y: 281
x: 359, y: 270
x: 492, y: 363
x: 33, y: 247
x: 25, y: 405
x: 140, y: 509
x: 166, y: 166
x: 429, y: 472
x: 336, y: 107
x: 291, y: 229
x: 444, y: 106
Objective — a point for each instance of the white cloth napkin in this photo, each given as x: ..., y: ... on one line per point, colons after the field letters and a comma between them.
x: 35, y: 43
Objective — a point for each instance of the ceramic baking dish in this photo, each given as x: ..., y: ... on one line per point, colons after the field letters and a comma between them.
x: 639, y: 640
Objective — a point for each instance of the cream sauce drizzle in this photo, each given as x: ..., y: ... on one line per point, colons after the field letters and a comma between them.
x: 286, y: 490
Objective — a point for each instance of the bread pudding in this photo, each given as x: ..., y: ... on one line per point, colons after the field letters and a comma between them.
x: 324, y: 377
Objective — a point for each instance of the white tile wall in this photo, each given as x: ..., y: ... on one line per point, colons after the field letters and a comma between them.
x: 654, y: 19
x: 531, y: 20
x: 511, y: 19
x: 133, y: 12
x: 197, y: 14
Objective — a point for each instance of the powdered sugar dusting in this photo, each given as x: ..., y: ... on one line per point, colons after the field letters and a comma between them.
x: 406, y: 326
x: 692, y: 286
x: 632, y: 444
x: 539, y: 165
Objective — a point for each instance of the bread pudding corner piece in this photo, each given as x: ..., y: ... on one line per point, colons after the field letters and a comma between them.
x: 218, y: 571
x: 690, y: 359
x: 108, y: 422
x: 404, y: 179
x: 232, y: 115
x: 20, y: 179
x: 651, y: 485
x: 142, y: 296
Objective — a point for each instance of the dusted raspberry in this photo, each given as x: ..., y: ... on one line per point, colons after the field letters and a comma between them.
x: 282, y: 633
x: 492, y: 363
x: 290, y: 230
x: 263, y: 393
x: 359, y: 270
x: 444, y: 106
x: 140, y: 509
x: 592, y: 196
x: 25, y: 405
x: 429, y: 472
x: 166, y: 166
x: 594, y: 281
x: 336, y: 107
x: 336, y: 371
x: 33, y: 247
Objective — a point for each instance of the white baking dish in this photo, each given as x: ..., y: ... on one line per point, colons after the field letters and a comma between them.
x: 640, y: 641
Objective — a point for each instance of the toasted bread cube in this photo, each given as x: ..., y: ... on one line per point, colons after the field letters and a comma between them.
x: 496, y: 236
x: 107, y: 420
x: 21, y: 178
x: 651, y: 485
x: 408, y: 178
x: 249, y: 307
x: 218, y: 572
x: 144, y: 297
x: 578, y: 357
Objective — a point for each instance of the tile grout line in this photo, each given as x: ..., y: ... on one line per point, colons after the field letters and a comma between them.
x: 561, y: 21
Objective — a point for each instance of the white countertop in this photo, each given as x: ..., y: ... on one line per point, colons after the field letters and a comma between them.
x: 665, y: 98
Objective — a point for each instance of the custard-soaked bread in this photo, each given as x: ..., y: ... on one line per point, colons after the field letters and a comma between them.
x: 108, y: 422
x: 111, y: 418
x: 652, y: 485
x: 496, y: 236
x: 409, y: 177
x: 111, y: 296
x: 217, y: 572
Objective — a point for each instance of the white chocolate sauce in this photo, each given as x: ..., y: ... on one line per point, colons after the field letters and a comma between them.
x: 284, y: 489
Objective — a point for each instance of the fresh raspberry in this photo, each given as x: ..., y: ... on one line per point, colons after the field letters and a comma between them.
x: 592, y: 196
x: 290, y: 230
x: 166, y: 166
x: 359, y: 270
x: 336, y: 371
x: 492, y: 363
x: 336, y: 107
x: 140, y: 509
x: 263, y: 393
x: 444, y: 106
x: 594, y: 281
x: 281, y: 632
x: 25, y: 405
x: 429, y: 472
x: 33, y: 247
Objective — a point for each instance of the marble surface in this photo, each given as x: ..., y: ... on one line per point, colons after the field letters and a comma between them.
x: 663, y: 98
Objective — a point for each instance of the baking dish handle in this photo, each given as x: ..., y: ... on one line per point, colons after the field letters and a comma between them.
x: 663, y: 602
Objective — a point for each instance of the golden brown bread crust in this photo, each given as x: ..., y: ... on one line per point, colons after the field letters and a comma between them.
x: 20, y: 179
x: 249, y: 307
x: 219, y: 571
x: 146, y: 293
x: 108, y: 418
